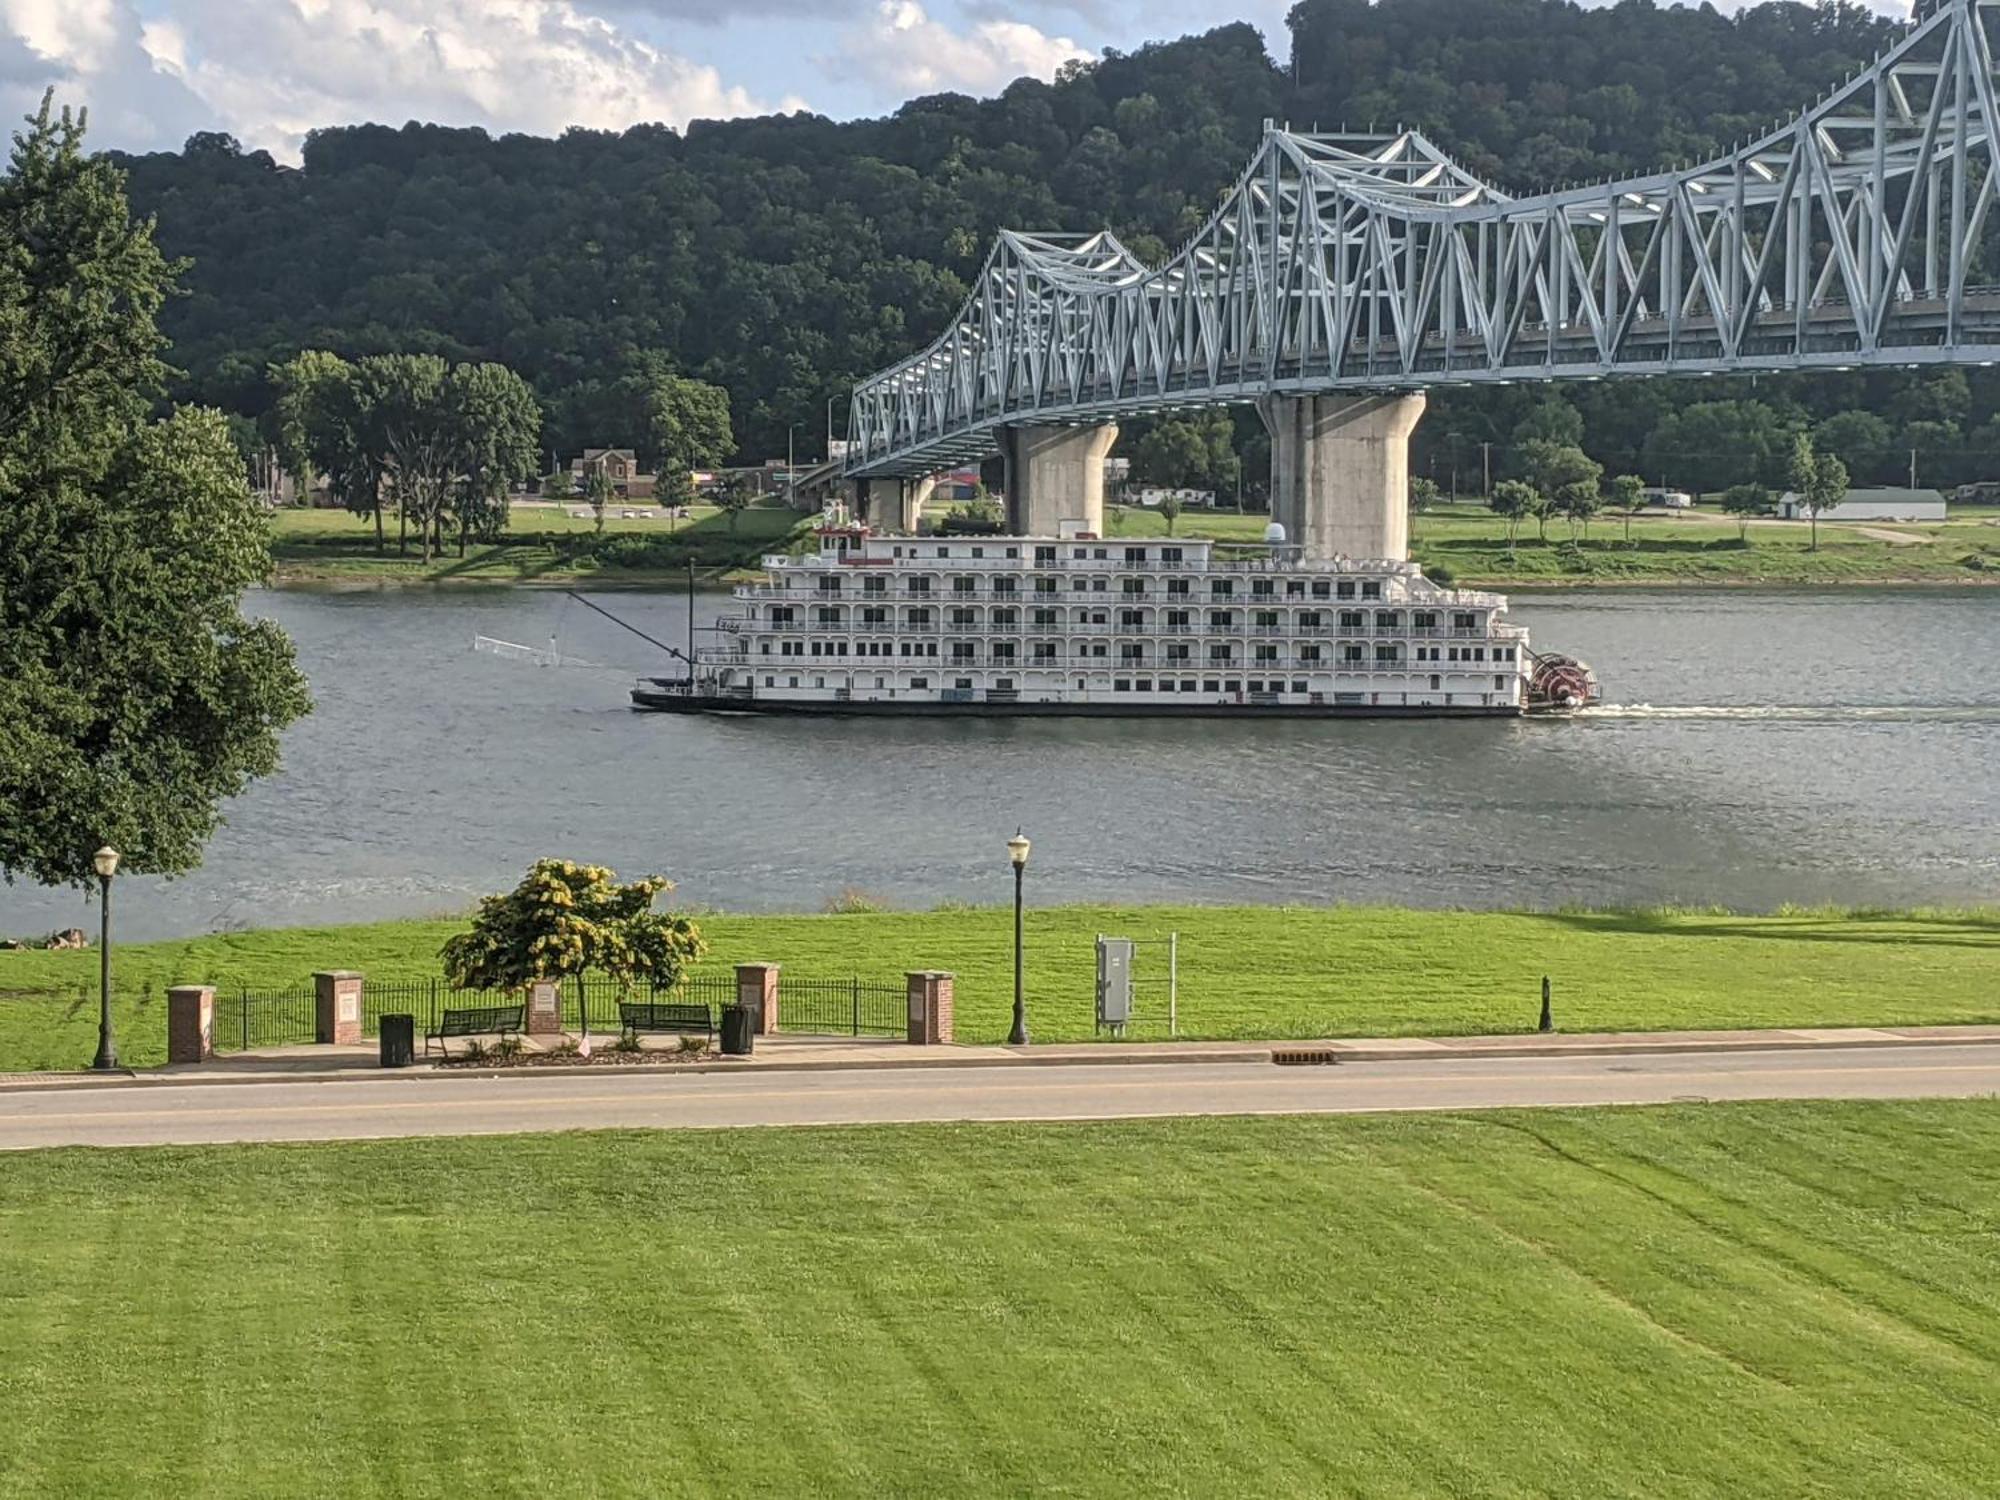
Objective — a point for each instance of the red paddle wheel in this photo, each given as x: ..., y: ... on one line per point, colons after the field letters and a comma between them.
x: 1560, y: 684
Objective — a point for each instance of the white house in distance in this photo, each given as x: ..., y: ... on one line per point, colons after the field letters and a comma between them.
x: 1872, y: 505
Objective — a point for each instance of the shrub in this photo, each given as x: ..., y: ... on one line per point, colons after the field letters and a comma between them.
x: 694, y: 1044
x: 507, y: 1047
x: 627, y: 1042
x: 852, y: 901
x: 475, y: 1051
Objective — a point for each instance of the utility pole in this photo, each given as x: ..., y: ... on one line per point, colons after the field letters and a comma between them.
x: 1913, y: 468
x: 1486, y: 470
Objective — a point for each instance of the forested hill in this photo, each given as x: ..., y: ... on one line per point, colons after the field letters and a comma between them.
x: 784, y: 256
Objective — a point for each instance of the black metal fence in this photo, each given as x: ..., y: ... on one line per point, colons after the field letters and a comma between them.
x: 246, y: 1019
x: 843, y: 1007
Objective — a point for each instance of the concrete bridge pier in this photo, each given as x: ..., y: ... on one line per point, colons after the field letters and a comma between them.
x: 1340, y: 472
x: 1055, y: 475
x: 896, y: 504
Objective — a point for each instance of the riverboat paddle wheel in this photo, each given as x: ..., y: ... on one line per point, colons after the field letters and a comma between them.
x: 1560, y: 684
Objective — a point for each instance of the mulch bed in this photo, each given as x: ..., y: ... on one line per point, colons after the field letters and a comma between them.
x: 607, y: 1057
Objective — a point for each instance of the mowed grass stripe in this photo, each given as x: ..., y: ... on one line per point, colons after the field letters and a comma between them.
x: 1245, y: 972
x: 1757, y: 1299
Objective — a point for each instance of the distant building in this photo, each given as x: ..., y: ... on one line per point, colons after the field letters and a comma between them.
x: 1153, y: 496
x: 1666, y: 499
x: 620, y: 466
x: 1872, y: 505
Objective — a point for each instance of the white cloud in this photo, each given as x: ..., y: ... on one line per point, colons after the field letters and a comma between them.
x: 904, y: 49
x: 534, y: 65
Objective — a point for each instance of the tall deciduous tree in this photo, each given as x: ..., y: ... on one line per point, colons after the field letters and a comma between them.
x: 134, y: 695
x: 1513, y: 501
x: 496, y: 427
x: 1818, y: 479
x: 566, y: 919
x: 689, y: 423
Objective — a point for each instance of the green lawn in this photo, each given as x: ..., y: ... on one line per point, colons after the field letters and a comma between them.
x: 1468, y: 545
x: 1246, y: 972
x: 1743, y: 1300
x: 543, y: 543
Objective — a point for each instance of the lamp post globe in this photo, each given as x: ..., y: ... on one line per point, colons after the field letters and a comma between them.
x: 1017, y: 852
x: 105, y: 862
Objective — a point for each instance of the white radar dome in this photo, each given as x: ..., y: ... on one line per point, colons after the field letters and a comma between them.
x: 1274, y: 534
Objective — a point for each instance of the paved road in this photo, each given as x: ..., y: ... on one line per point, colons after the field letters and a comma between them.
x: 426, y: 1104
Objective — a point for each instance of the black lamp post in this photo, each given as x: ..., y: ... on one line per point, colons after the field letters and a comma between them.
x: 1017, y: 851
x: 105, y: 861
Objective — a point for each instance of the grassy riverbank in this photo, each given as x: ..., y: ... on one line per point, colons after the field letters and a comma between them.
x: 1246, y: 972
x: 544, y: 544
x: 1750, y: 1299
x: 1467, y: 544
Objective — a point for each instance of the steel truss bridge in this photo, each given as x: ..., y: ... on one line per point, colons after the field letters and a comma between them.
x: 1850, y: 236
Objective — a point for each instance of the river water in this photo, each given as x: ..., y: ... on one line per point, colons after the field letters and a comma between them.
x: 1760, y: 748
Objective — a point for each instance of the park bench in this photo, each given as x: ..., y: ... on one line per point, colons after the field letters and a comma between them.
x: 484, y: 1020
x: 656, y: 1016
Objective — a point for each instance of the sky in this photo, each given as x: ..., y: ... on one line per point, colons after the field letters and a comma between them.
x: 152, y: 72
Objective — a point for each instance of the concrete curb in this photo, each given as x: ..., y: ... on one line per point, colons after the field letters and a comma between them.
x: 1416, y: 1049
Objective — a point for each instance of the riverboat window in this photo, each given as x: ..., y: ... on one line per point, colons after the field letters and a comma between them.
x: 1097, y: 617
x: 963, y: 650
x: 1371, y: 590
x: 1500, y: 682
x: 1044, y: 617
x: 1479, y: 653
x: 829, y: 585
x: 962, y: 585
x: 1295, y: 588
x: 944, y: 552
x: 920, y: 682
x: 1131, y: 651
x: 1267, y: 619
x: 781, y: 614
x: 1146, y: 684
x: 1221, y: 588
x: 876, y: 616
x: 1003, y: 685
x: 1219, y: 651
x: 1179, y: 585
x: 1345, y: 589
x: 962, y: 683
x: 1101, y: 553
x: 1453, y: 655
x: 1322, y: 589
x: 1003, y: 651
x: 978, y: 551
x: 1309, y: 619
x: 1263, y: 588
x: 1135, y: 554
x: 1232, y: 685
x: 1045, y: 585
x: 1298, y: 684
x: 1388, y: 651
x: 1424, y: 619
x: 1211, y: 685
x: 1221, y: 619
x: 1096, y: 649
x: 1045, y: 651
x: 1267, y: 653
x: 1177, y: 619
x: 1078, y: 554
x: 828, y: 614
x: 1350, y: 653
x: 1170, y: 554
x: 770, y: 682
x: 1045, y: 554
x: 1464, y: 620
x: 1308, y: 653
x: 1387, y: 619
x: 1005, y: 619
x: 791, y: 682
x: 1097, y: 585
x: 1350, y: 619
x: 763, y: 648
x: 918, y: 585
x: 1131, y: 619
x: 1005, y: 585
x: 1434, y: 682
x: 1256, y: 684
x: 1178, y: 651
x: 1134, y: 585
x: 874, y: 583
x: 1122, y: 685
x: 1079, y: 585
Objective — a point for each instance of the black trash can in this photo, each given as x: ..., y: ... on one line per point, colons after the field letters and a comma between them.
x: 399, y: 1041
x: 739, y: 1032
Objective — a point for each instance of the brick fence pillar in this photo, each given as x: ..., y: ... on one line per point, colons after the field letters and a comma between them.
x: 190, y: 1023
x: 930, y: 1007
x: 544, y: 1009
x: 757, y: 987
x: 337, y: 1014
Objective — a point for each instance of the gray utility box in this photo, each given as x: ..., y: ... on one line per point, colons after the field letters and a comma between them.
x: 1114, y: 981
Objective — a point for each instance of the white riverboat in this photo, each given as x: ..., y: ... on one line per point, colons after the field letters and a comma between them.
x: 1089, y: 625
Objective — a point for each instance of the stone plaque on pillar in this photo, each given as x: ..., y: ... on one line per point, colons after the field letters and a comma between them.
x: 544, y: 1008
x: 337, y: 1017
x: 190, y: 1023
x: 757, y: 987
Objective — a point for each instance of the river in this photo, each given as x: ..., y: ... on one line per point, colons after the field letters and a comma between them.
x: 1759, y: 748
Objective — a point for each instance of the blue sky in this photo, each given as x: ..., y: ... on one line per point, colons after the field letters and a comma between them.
x: 153, y: 71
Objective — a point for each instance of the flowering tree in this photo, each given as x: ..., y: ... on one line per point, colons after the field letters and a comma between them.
x: 566, y: 919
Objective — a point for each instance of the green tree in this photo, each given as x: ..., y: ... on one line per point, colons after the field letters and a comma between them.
x: 1514, y: 500
x: 1627, y: 493
x: 1818, y: 479
x: 732, y: 498
x: 1170, y: 510
x: 598, y: 489
x: 1559, y: 474
x: 689, y: 424
x: 1423, y: 494
x: 566, y: 919
x: 134, y: 695
x: 496, y: 426
x: 1577, y: 502
x: 1744, y: 501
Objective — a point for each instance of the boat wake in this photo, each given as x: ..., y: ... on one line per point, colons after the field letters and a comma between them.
x: 1913, y: 713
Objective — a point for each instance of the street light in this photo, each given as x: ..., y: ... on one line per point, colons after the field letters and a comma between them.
x: 1017, y: 851
x: 106, y: 862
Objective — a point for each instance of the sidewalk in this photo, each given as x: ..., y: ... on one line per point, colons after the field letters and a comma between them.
x: 776, y: 1054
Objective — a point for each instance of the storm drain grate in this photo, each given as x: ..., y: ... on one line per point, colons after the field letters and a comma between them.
x: 1304, y: 1057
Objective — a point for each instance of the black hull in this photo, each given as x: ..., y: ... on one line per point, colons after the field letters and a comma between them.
x: 644, y: 701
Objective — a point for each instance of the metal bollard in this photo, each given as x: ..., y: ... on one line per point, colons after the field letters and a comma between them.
x: 1548, y: 1020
